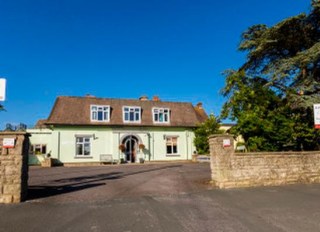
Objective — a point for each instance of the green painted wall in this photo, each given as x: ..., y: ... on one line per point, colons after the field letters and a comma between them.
x: 40, y: 136
x: 62, y: 142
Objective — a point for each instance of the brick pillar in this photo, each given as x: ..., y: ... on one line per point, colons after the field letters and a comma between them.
x: 14, y: 167
x: 221, y: 150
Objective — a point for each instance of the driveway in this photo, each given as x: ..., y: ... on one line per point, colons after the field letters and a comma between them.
x: 156, y: 197
x: 88, y: 184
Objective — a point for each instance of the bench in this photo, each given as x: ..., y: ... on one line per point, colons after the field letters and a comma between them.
x: 241, y: 148
x: 107, y: 158
x: 203, y: 158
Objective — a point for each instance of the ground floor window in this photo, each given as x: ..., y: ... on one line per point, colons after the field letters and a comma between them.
x: 38, y: 149
x: 172, y: 145
x: 83, y: 146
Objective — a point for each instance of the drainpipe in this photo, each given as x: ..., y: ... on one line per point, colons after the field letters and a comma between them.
x: 153, y: 145
x: 59, y: 146
x: 187, y: 144
x: 149, y: 145
x: 118, y: 147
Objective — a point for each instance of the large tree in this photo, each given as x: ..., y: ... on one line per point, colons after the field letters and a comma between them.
x: 272, y: 93
x: 203, y: 131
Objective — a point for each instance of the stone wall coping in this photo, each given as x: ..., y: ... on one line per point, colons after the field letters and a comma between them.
x: 285, y: 153
x: 220, y: 135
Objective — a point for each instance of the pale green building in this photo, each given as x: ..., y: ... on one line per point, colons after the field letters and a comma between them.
x: 91, y: 130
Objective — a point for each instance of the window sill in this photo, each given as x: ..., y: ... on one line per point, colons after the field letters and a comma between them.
x: 100, y: 121
x: 173, y: 155
x: 83, y: 157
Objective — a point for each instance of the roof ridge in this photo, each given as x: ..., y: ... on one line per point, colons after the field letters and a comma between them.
x: 123, y: 99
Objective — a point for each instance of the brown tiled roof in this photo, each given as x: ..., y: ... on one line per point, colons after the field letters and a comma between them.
x: 76, y: 111
x: 201, y: 114
x: 41, y: 123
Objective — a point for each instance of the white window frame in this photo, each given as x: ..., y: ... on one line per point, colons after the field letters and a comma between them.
x: 105, y: 109
x: 165, y: 114
x: 172, y: 145
x: 84, y: 137
x: 131, y: 109
x: 42, y: 147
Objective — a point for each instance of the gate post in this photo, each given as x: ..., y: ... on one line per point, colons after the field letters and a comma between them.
x: 14, y: 149
x: 221, y: 151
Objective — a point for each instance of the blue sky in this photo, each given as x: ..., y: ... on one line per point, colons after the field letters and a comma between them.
x: 124, y: 49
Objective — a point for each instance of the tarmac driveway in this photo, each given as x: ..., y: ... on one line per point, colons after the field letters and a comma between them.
x: 156, y: 197
x: 70, y: 184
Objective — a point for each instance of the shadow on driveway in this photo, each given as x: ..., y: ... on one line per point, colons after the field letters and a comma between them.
x: 67, y: 185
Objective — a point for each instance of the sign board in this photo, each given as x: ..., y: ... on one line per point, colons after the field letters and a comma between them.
x: 8, y: 143
x: 2, y: 89
x: 316, y: 110
x: 226, y: 143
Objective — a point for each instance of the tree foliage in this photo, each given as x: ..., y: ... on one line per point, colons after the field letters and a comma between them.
x: 271, y: 95
x: 209, y: 127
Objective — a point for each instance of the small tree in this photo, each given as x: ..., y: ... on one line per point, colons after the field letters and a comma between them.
x: 209, y: 127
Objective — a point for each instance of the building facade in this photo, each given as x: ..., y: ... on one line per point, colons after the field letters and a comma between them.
x: 88, y: 129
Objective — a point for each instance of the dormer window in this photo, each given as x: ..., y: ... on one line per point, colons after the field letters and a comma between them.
x: 161, y: 115
x: 132, y: 114
x: 100, y: 113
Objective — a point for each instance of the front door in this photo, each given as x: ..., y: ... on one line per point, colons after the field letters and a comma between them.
x: 131, y: 144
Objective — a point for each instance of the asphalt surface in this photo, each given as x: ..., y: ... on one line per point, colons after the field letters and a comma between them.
x: 156, y: 197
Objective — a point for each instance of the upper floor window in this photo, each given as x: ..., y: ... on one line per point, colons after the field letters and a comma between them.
x: 131, y: 114
x: 161, y: 115
x: 100, y: 113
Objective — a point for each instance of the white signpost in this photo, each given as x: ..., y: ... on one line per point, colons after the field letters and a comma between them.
x: 226, y: 143
x: 316, y: 110
x: 2, y: 89
x: 8, y: 143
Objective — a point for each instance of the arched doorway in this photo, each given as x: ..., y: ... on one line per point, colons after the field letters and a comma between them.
x: 131, y: 143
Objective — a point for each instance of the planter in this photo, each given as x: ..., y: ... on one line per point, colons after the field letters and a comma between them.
x: 47, y: 163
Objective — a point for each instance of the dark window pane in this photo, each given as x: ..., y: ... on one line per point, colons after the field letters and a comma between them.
x: 126, y: 116
x: 175, y: 149
x: 169, y: 150
x: 86, y: 149
x: 44, y: 149
x: 100, y: 118
x: 131, y: 116
x: 79, y: 149
x: 156, y: 118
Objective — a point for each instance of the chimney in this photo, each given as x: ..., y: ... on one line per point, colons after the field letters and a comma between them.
x: 156, y: 99
x: 143, y: 98
x: 199, y: 105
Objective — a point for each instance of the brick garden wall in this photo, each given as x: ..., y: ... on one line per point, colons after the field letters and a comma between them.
x: 231, y: 170
x: 14, y: 168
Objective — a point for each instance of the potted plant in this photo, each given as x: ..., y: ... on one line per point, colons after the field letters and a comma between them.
x: 141, y: 146
x: 122, y: 147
